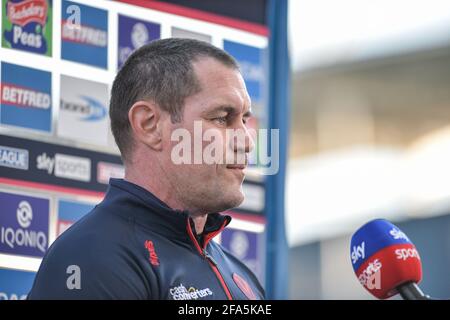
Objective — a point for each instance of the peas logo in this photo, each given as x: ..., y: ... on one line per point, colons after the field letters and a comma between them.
x: 27, y: 25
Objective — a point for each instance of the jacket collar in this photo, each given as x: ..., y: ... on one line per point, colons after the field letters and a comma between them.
x: 147, y: 210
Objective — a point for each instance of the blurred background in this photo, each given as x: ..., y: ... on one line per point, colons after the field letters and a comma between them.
x: 370, y: 137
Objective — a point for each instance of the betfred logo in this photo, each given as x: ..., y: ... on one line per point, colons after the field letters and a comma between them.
x: 25, y: 97
x: 84, y: 35
x: 28, y: 11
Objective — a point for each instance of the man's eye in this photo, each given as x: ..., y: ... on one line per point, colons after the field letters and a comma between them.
x: 221, y: 120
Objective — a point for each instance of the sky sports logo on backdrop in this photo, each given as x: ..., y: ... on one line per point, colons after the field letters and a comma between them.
x: 27, y: 25
x: 65, y: 166
x: 24, y: 225
x: 26, y: 99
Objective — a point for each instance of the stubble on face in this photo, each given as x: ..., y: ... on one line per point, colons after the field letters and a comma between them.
x: 206, y: 188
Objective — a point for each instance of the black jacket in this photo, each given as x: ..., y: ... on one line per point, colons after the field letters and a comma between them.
x: 133, y: 246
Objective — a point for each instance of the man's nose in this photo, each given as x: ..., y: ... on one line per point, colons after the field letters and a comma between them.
x: 243, y: 140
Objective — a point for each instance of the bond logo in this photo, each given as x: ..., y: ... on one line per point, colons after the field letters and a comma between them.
x: 90, y: 110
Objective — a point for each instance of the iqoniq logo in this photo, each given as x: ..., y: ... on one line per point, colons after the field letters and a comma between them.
x: 22, y: 237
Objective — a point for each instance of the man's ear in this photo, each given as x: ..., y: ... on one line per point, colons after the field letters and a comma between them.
x: 145, y: 118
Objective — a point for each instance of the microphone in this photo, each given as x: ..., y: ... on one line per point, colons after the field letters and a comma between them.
x: 386, y: 262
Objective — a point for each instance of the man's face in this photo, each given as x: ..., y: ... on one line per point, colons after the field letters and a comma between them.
x: 220, y: 108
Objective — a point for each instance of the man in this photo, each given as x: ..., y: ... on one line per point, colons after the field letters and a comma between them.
x: 150, y: 238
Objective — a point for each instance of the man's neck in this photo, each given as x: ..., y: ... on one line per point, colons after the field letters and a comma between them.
x: 199, y: 222
x: 165, y: 195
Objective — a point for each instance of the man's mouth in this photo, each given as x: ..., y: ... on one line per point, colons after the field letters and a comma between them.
x: 236, y: 166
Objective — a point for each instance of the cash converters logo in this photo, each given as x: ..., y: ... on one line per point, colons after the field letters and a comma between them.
x: 182, y: 293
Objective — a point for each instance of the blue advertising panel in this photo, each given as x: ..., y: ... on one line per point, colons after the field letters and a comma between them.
x: 15, y: 284
x: 26, y: 99
x: 246, y: 246
x: 24, y: 224
x: 87, y: 42
x: 250, y: 60
x: 70, y: 212
x: 133, y: 34
x: 252, y: 64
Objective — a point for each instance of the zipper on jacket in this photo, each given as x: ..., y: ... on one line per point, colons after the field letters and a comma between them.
x: 211, y: 261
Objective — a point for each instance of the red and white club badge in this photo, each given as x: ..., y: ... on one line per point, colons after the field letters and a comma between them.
x: 244, y: 286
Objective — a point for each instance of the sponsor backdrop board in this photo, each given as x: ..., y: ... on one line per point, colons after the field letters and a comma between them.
x: 133, y: 34
x: 15, y: 284
x: 57, y: 63
x: 83, y: 110
x: 27, y: 25
x: 26, y: 98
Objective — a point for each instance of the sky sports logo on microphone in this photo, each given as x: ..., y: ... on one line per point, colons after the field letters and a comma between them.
x: 370, y: 277
x: 407, y: 253
x: 397, y: 234
x: 383, y: 258
x: 358, y: 252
